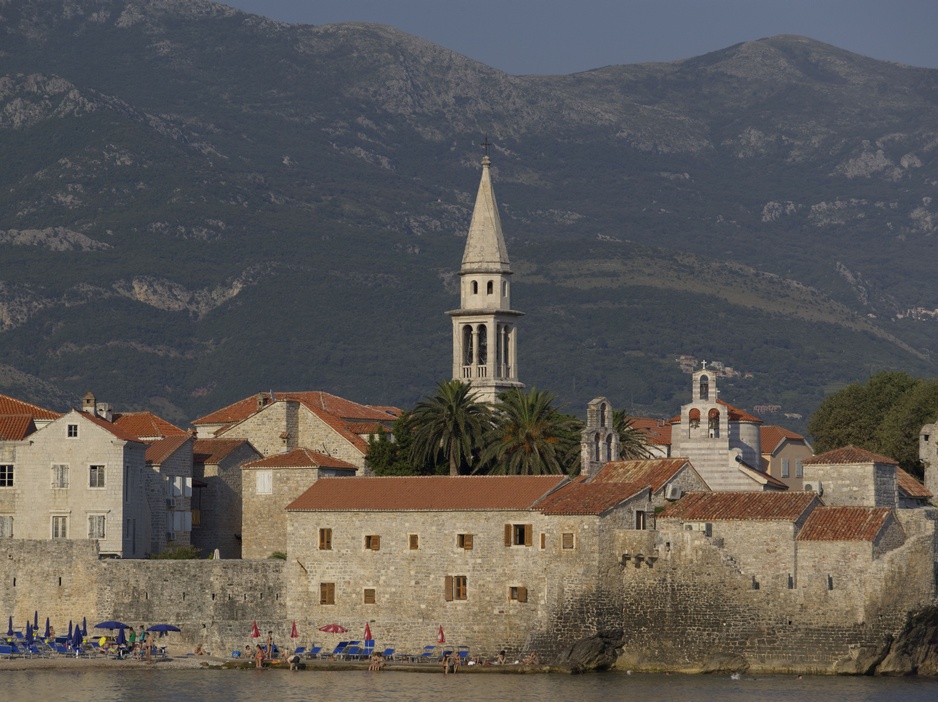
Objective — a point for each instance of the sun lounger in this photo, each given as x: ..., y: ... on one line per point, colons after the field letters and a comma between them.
x: 388, y: 652
x: 463, y: 653
x: 352, y: 652
x: 314, y: 651
x: 7, y: 650
x: 338, y: 650
x: 368, y: 648
x: 427, y: 654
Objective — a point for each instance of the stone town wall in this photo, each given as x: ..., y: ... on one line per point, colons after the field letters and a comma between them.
x: 213, y: 602
x: 263, y: 516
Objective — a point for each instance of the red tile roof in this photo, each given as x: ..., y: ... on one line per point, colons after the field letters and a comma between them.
x: 760, y: 506
x: 656, y: 431
x: 912, y: 487
x: 212, y: 451
x: 146, y: 425
x: 761, y: 476
x: 9, y: 405
x: 849, y: 454
x: 368, y: 428
x: 588, y: 498
x: 109, y: 426
x: 653, y: 472
x: 771, y: 435
x: 16, y: 427
x: 159, y: 451
x: 432, y: 493
x: 300, y: 458
x: 844, y: 524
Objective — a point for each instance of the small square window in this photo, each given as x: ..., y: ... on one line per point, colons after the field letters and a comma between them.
x: 518, y: 534
x: 6, y: 475
x: 369, y: 595
x: 71, y: 431
x: 567, y: 540
x: 518, y: 594
x: 325, y: 539
x: 96, y: 476
x: 414, y: 542
x: 464, y: 541
x: 373, y: 542
x: 327, y: 593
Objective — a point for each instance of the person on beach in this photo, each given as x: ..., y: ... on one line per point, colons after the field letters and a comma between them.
x: 132, y: 640
x: 270, y: 645
x: 449, y: 664
x: 51, y: 633
x: 500, y: 658
x: 377, y: 662
x: 532, y: 659
x: 294, y: 661
x: 259, y: 657
x: 199, y: 650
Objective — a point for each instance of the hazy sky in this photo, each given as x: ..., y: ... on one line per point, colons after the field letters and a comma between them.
x: 565, y: 36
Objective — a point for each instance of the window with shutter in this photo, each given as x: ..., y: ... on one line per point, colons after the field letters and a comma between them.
x: 414, y: 542
x: 519, y: 534
x: 325, y: 539
x: 518, y: 594
x: 6, y: 527
x: 60, y: 476
x: 508, y: 534
x: 464, y: 541
x: 373, y: 542
x: 327, y: 593
x: 455, y: 587
x: 448, y: 588
x: 543, y: 540
x: 567, y: 540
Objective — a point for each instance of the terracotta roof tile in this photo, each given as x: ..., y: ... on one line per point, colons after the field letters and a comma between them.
x: 653, y: 472
x: 849, y: 454
x: 588, y: 498
x: 844, y: 524
x: 367, y: 428
x: 109, y: 426
x: 146, y: 425
x: 159, y: 451
x: 300, y: 458
x: 656, y: 431
x: 212, y: 451
x: 336, y: 406
x: 16, y: 427
x: 761, y: 506
x: 771, y: 435
x: 10, y: 405
x: 912, y: 487
x: 760, y: 476
x: 432, y: 493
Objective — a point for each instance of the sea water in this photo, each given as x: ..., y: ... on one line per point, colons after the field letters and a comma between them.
x: 355, y: 686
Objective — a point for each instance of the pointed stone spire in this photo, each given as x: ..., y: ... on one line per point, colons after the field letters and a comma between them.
x: 485, y: 246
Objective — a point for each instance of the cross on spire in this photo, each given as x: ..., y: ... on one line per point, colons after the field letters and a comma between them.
x: 485, y: 144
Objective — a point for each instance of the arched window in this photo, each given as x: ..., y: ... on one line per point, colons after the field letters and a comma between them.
x: 467, y: 345
x: 713, y: 423
x: 596, y: 447
x: 489, y: 288
x: 475, y: 287
x: 505, y: 288
x: 704, y: 387
x: 694, y: 418
x: 483, y: 344
x: 609, y: 447
x: 602, y: 414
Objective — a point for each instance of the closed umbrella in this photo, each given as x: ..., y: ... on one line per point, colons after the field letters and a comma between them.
x: 76, y: 639
x: 46, y: 635
x: 29, y: 633
x: 121, y: 637
x: 440, y: 636
x: 294, y: 634
x: 10, y: 628
x: 69, y: 629
x: 36, y: 620
x: 255, y: 632
x: 84, y: 627
x: 368, y: 636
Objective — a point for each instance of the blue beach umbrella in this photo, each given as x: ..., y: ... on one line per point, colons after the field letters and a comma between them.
x: 112, y: 624
x: 77, y: 637
x: 121, y: 638
x: 29, y: 633
x: 46, y: 635
x: 36, y: 620
x: 84, y: 627
x: 69, y: 629
x: 10, y: 628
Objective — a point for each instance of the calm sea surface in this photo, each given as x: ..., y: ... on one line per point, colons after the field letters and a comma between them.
x: 277, y: 686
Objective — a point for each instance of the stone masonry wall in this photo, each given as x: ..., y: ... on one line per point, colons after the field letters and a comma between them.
x: 221, y: 504
x: 264, y: 517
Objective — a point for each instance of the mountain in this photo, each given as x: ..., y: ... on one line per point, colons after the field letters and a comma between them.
x: 197, y: 204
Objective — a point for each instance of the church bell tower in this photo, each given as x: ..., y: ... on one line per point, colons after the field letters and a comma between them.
x: 485, y: 341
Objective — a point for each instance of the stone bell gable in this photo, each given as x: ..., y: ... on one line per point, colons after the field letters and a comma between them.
x: 599, y: 441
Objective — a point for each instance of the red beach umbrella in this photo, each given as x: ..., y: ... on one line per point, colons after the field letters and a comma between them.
x: 440, y: 636
x: 294, y: 634
x: 255, y: 632
x: 333, y: 629
x: 368, y: 636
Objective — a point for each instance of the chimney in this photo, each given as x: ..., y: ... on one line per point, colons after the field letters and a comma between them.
x: 262, y: 400
x: 89, y: 403
x: 103, y: 410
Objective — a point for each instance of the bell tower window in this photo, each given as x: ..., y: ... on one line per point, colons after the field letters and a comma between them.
x: 704, y: 387
x: 489, y: 288
x: 475, y: 287
x: 713, y: 423
x: 694, y: 418
x: 467, y: 345
x: 483, y: 344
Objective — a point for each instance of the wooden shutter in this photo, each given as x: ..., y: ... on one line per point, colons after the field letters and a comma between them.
x: 528, y: 534
x: 568, y: 539
x: 448, y: 588
x: 375, y: 543
x: 369, y: 595
x: 508, y: 534
x: 522, y: 594
x: 414, y: 542
x: 543, y: 540
x: 467, y: 542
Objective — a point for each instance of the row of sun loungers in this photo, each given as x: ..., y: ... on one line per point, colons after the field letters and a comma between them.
x: 356, y: 650
x: 47, y: 649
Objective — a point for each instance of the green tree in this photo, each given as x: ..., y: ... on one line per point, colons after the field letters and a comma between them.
x: 633, y: 444
x: 392, y: 453
x: 883, y: 415
x: 449, y: 427
x: 531, y: 437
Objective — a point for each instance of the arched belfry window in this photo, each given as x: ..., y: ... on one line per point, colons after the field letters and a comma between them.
x: 602, y: 414
x: 475, y: 287
x: 713, y: 422
x: 694, y: 418
x: 596, y: 447
x: 704, y: 387
x: 489, y: 288
x: 467, y: 345
x: 483, y: 344
x: 609, y: 447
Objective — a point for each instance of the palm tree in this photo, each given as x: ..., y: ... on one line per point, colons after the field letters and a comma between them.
x: 633, y: 444
x: 530, y: 437
x: 449, y: 425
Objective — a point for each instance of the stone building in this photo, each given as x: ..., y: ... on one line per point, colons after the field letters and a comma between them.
x: 169, y: 491
x: 667, y: 478
x: 599, y: 441
x: 722, y: 442
x: 490, y: 557
x: 217, y: 494
x: 485, y: 340
x: 928, y: 455
x: 783, y: 454
x: 269, y: 485
x: 279, y: 422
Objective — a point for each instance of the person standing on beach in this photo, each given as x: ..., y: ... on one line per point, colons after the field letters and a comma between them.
x: 270, y: 645
x: 133, y: 639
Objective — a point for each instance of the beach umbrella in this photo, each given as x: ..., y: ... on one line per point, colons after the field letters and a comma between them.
x: 29, y: 633
x: 440, y: 636
x: 368, y: 636
x: 121, y: 637
x: 76, y: 637
x: 84, y: 627
x: 10, y: 628
x: 112, y: 624
x: 333, y: 629
x: 255, y: 632
x: 36, y: 620
x: 46, y: 635
x: 164, y: 628
x: 69, y: 628
x: 294, y: 634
